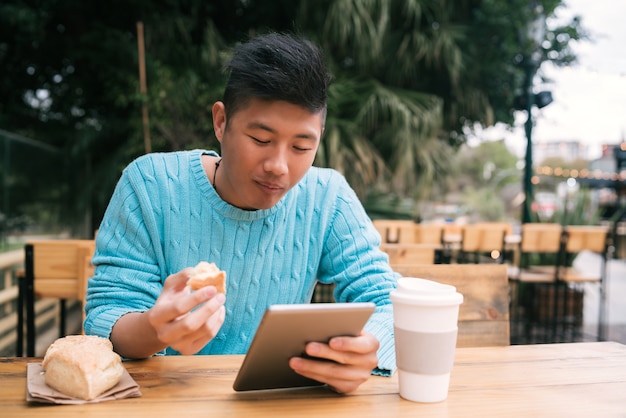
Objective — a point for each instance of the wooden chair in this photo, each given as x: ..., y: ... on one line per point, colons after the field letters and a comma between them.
x: 537, y: 270
x: 576, y: 240
x: 429, y: 233
x: 412, y: 253
x: 484, y: 314
x: 539, y: 253
x: 433, y: 233
x: 486, y: 238
x: 52, y: 269
x: 393, y: 231
x: 86, y: 270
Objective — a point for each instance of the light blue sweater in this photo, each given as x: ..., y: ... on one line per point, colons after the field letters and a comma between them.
x: 165, y: 215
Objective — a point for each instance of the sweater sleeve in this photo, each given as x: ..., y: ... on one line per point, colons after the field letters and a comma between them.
x: 353, y: 261
x: 127, y: 276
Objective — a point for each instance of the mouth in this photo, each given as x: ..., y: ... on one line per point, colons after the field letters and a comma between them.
x: 269, y: 187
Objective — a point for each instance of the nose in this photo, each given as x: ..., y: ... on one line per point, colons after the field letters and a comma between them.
x: 276, y: 162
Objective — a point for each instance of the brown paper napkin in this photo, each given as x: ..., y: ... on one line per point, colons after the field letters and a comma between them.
x: 38, y: 391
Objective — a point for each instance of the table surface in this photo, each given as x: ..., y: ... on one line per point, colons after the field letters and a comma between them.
x: 577, y: 379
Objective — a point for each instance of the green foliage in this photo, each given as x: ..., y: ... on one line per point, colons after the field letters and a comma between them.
x: 490, y: 164
x: 410, y: 77
x: 389, y: 206
x: 482, y: 176
x: 577, y: 209
x: 483, y: 205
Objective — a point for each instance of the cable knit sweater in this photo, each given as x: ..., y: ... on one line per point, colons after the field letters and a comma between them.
x: 165, y: 215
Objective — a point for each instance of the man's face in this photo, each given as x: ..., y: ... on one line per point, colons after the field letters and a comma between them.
x: 267, y: 147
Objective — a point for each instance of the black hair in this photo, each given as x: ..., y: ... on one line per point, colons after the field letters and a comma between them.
x: 277, y: 67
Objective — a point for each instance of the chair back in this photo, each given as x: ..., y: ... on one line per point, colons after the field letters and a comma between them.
x: 86, y: 270
x: 58, y: 267
x: 429, y: 233
x: 541, y: 238
x: 395, y: 231
x: 410, y: 253
x: 540, y: 252
x: 587, y: 238
x: 484, y: 314
x: 470, y: 238
x: 52, y: 269
x: 583, y: 237
x: 484, y: 238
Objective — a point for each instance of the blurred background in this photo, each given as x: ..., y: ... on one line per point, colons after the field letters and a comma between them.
x: 431, y: 113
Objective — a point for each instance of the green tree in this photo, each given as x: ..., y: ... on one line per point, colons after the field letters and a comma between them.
x: 414, y: 76
x: 411, y: 77
x: 482, y: 177
x: 489, y: 164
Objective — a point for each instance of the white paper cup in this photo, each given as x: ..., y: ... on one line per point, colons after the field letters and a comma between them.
x: 425, y: 321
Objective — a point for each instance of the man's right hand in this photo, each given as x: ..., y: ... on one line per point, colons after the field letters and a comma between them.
x: 183, y: 320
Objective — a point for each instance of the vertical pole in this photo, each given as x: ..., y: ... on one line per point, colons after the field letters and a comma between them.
x: 21, y: 296
x: 5, y: 187
x: 143, y: 88
x: 5, y: 176
x: 29, y: 287
x: 528, y: 166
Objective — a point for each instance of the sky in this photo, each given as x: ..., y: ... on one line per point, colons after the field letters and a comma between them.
x: 590, y: 96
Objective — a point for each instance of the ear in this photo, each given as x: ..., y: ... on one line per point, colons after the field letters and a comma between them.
x: 219, y: 120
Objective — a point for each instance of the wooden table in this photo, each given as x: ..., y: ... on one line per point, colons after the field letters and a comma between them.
x: 553, y: 380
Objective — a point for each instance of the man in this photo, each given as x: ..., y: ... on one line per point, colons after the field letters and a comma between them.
x: 260, y: 211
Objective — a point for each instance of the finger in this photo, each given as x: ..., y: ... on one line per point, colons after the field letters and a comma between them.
x: 194, y: 342
x: 188, y: 322
x: 324, y: 351
x: 171, y: 308
x: 363, y: 344
x: 207, y: 320
x: 348, y: 365
x: 216, y: 320
x: 340, y: 378
x: 211, y: 329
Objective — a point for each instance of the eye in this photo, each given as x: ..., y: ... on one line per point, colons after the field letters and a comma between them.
x: 259, y: 141
x: 302, y: 149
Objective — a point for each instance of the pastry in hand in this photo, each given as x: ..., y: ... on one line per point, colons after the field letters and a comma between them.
x: 82, y: 366
x: 207, y: 274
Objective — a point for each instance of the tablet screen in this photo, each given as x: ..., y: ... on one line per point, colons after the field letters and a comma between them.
x: 284, y: 332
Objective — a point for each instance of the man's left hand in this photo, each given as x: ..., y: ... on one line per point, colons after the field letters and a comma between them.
x: 353, y: 359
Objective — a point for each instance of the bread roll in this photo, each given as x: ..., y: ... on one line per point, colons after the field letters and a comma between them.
x: 207, y: 274
x: 82, y: 366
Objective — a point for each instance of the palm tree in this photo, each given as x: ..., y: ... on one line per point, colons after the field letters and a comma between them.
x: 382, y: 123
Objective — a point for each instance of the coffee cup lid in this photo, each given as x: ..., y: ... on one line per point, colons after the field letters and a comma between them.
x: 428, y: 292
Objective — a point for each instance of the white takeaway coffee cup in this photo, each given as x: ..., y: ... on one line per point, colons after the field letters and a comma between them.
x: 425, y: 324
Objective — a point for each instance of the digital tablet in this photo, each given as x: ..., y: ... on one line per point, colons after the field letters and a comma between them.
x: 283, y: 333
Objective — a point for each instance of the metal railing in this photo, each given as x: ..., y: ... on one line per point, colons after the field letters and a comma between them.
x: 10, y: 263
